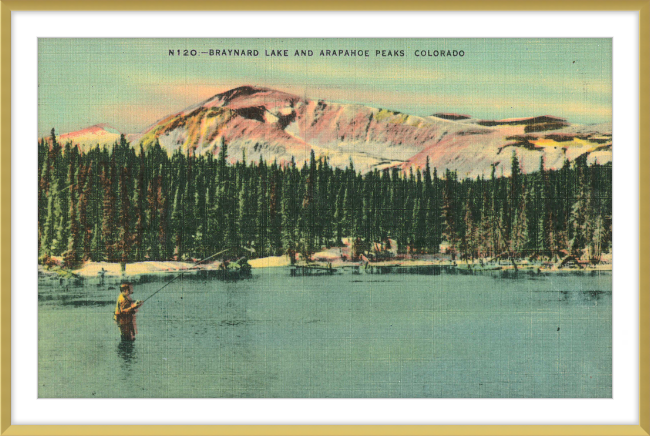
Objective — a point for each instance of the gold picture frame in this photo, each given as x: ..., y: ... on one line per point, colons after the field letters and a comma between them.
x: 640, y: 6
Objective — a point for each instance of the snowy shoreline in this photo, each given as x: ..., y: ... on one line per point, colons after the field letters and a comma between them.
x: 111, y: 273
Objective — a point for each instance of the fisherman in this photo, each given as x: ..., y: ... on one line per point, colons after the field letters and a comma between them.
x: 125, y: 310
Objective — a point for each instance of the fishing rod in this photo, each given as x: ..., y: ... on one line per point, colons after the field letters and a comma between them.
x: 170, y: 282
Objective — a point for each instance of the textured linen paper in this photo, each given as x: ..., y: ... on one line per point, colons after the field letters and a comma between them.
x: 310, y: 218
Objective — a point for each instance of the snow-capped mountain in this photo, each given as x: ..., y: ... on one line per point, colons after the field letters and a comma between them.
x: 271, y: 124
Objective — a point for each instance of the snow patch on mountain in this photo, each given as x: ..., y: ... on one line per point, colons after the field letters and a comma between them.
x: 259, y: 122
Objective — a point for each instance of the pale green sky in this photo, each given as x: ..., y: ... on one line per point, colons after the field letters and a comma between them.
x: 131, y: 83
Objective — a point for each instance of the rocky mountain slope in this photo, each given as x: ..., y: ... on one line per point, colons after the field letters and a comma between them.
x: 271, y: 124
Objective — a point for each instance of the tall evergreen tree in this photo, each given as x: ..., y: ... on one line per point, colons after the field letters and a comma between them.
x: 72, y: 257
x: 124, y: 236
x: 450, y: 232
x: 49, y: 231
x: 85, y: 192
x: 289, y: 215
x: 139, y: 209
x: 486, y: 237
x: 580, y: 212
x: 469, y: 240
x: 108, y: 216
x: 275, y: 209
x: 177, y: 225
x: 519, y: 236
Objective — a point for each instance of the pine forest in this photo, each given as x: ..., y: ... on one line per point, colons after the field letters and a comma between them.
x: 125, y: 204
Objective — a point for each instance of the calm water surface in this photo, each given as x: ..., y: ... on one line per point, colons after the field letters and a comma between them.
x: 484, y: 335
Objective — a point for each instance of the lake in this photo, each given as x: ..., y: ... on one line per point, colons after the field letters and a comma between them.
x: 488, y: 335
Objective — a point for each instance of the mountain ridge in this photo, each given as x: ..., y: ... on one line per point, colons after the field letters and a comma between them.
x: 276, y: 125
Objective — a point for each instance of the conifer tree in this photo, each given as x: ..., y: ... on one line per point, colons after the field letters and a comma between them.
x: 418, y: 222
x: 468, y: 243
x: 72, y: 256
x: 244, y: 218
x: 604, y: 175
x: 405, y: 238
x: 43, y: 189
x: 49, y: 232
x: 63, y: 203
x: 275, y: 209
x: 289, y: 218
x: 565, y: 190
x: 108, y: 216
x: 139, y: 209
x: 96, y: 249
x: 152, y: 218
x: 177, y: 225
x: 436, y: 212
x: 189, y: 214
x: 263, y: 244
x: 202, y: 195
x: 124, y: 236
x: 486, y: 238
x: 450, y: 233
x: 85, y: 188
x: 339, y: 214
x: 348, y: 222
x: 580, y: 213
x: 309, y: 206
x: 164, y: 245
x: 520, y: 228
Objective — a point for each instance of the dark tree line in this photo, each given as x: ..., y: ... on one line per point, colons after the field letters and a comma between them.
x: 121, y: 204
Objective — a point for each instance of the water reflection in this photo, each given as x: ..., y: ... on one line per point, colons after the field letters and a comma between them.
x: 127, y: 352
x: 336, y: 336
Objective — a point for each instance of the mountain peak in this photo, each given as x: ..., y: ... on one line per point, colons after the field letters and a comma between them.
x: 101, y: 129
x: 248, y: 96
x: 241, y: 91
x: 277, y: 125
x: 97, y: 134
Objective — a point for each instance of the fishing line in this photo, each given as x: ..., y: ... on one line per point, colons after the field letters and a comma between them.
x: 179, y: 275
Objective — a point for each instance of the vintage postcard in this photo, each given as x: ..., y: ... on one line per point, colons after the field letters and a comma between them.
x: 324, y: 218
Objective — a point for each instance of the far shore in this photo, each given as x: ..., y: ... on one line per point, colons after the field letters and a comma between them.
x: 108, y: 272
